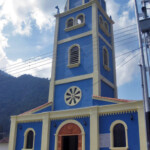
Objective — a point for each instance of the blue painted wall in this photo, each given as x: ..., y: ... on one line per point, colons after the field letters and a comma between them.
x: 86, y: 100
x: 106, y: 90
x: 133, y: 129
x: 86, y: 54
x: 88, y: 24
x: 58, y: 122
x: 101, y: 31
x: 107, y: 74
x: 47, y: 109
x: 37, y: 126
x: 101, y: 103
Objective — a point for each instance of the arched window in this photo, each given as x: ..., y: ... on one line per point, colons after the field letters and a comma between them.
x: 101, y: 21
x: 105, y: 58
x: 70, y: 22
x: 80, y: 19
x: 74, y: 56
x: 29, y: 137
x: 119, y: 137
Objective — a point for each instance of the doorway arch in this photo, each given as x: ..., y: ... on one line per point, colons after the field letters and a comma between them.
x: 72, y: 133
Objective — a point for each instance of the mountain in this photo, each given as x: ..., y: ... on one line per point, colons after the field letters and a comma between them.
x: 18, y: 95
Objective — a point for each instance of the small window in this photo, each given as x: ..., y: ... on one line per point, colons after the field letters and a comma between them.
x: 29, y: 144
x: 74, y: 56
x: 119, y: 135
x: 29, y: 137
x: 106, y: 59
x: 70, y: 22
x: 80, y: 19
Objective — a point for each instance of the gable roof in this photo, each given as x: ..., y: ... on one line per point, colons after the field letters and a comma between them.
x: 4, y: 140
x: 37, y: 109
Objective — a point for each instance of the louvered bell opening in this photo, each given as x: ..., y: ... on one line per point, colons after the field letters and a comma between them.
x: 105, y: 58
x: 74, y: 55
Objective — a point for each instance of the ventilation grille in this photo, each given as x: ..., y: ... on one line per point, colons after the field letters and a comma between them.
x: 74, y: 55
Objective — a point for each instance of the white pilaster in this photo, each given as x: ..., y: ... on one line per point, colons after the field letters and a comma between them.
x: 94, y: 129
x: 96, y: 61
x: 45, y: 132
x: 142, y: 129
x: 114, y: 63
x: 13, y: 132
x: 52, y: 83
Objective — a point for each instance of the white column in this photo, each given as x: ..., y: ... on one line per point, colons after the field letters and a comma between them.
x: 142, y: 129
x: 13, y: 132
x: 45, y: 132
x: 94, y: 129
x: 52, y: 83
x: 96, y: 61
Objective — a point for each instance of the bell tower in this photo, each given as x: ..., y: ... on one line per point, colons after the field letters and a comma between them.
x: 83, y: 56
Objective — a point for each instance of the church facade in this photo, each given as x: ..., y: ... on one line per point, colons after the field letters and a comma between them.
x: 83, y: 111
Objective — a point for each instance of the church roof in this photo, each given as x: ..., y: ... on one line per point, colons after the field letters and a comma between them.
x: 37, y: 108
x: 4, y: 140
x: 115, y: 100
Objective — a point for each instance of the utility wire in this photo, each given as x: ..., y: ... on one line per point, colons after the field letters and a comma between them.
x: 124, y: 28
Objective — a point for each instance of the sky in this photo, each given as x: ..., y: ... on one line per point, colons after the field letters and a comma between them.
x: 27, y: 35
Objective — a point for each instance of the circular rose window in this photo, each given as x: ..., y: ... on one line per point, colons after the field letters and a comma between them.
x: 73, y: 96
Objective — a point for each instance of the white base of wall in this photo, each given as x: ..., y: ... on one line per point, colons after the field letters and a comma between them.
x: 3, y: 146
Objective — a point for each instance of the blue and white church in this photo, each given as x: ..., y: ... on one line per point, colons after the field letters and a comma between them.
x: 83, y: 111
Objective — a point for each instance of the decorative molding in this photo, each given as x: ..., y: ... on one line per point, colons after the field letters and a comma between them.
x: 83, y: 112
x: 107, y: 81
x: 65, y: 123
x: 52, y: 83
x: 13, y: 133
x: 69, y: 56
x: 45, y: 133
x: 96, y: 55
x: 75, y: 37
x: 25, y: 138
x: 71, y: 18
x: 142, y: 129
x: 74, y: 27
x: 112, y: 137
x: 109, y: 45
x: 74, y: 79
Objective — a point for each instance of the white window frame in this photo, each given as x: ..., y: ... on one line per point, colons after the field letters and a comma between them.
x: 102, y: 26
x: 69, y: 54
x: 106, y: 66
x: 25, y: 138
x: 112, y: 135
x: 78, y: 17
x: 75, y: 25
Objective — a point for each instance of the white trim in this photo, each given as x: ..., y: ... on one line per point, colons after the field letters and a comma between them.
x: 75, y: 113
x: 45, y: 133
x: 52, y: 83
x: 107, y: 81
x: 94, y: 129
x: 112, y: 136
x: 106, y: 67
x: 74, y: 79
x: 72, y: 18
x: 69, y: 56
x: 96, y: 60
x: 100, y: 36
x: 142, y: 129
x: 76, y: 26
x: 75, y: 37
x: 13, y: 133
x: 74, y: 122
x: 25, y: 138
x: 114, y: 61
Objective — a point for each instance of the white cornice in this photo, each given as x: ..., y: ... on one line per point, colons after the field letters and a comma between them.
x: 82, y: 112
